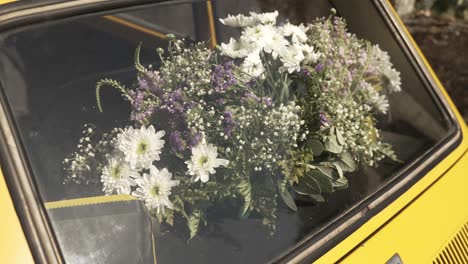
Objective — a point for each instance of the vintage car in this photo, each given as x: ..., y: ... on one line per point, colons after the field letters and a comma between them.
x: 407, y: 208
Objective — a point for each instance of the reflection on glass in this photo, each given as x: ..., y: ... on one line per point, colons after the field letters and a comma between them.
x: 230, y: 154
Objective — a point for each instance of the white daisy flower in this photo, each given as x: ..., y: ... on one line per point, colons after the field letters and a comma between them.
x: 379, y: 102
x: 235, y: 49
x: 204, y: 161
x: 154, y: 189
x: 273, y: 43
x: 394, y: 80
x: 252, y: 65
x: 297, y: 33
x: 238, y: 21
x: 140, y: 146
x: 258, y: 35
x: 310, y: 56
x: 381, y: 61
x: 265, y: 18
x: 292, y: 58
x: 118, y: 176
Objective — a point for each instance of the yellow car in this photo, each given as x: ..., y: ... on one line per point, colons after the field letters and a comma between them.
x: 52, y: 54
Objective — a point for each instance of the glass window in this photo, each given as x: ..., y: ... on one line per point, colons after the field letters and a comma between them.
x: 268, y: 138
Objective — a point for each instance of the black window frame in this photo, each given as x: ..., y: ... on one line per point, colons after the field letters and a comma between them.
x: 30, y: 207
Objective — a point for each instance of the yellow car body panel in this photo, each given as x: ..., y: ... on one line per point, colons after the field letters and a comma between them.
x: 14, y: 247
x: 424, y: 227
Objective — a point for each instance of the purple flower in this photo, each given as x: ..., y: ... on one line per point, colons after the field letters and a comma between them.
x: 249, y: 97
x: 150, y: 81
x: 220, y: 101
x: 324, y: 121
x: 223, y: 77
x: 267, y: 101
x: 195, y: 139
x: 305, y: 72
x: 228, y: 122
x: 319, y: 67
x: 176, y: 142
x: 227, y: 115
x: 139, y: 110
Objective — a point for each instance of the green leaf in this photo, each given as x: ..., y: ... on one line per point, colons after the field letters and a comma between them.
x: 316, y: 146
x: 339, y: 136
x: 317, y: 197
x: 194, y: 223
x: 286, y: 196
x: 245, y: 190
x: 341, y: 183
x: 307, y: 186
x: 331, y: 145
x: 339, y: 169
x: 323, y: 181
x: 387, y: 150
x: 348, y: 160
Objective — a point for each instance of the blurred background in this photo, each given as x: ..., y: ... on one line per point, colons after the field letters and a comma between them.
x: 440, y: 27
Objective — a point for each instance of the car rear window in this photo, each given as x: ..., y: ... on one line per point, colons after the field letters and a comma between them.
x: 185, y: 132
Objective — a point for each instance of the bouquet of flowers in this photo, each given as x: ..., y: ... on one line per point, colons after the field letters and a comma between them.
x: 280, y: 113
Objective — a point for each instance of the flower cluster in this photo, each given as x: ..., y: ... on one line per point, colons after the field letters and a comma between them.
x: 281, y: 113
x: 260, y: 37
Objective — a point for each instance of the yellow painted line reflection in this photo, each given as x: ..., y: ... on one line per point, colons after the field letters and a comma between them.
x: 136, y: 26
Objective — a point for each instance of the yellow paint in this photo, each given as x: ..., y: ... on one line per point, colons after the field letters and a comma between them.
x: 89, y: 201
x: 13, y: 245
x: 420, y: 232
x: 383, y: 245
x: 211, y: 21
x: 136, y: 26
x: 6, y: 1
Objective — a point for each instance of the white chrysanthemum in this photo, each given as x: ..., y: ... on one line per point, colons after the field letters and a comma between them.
x: 118, y: 176
x: 292, y: 58
x: 235, y: 49
x: 258, y: 35
x: 274, y: 43
x: 265, y: 18
x: 378, y: 101
x: 297, y: 33
x: 380, y: 60
x: 204, y: 161
x: 239, y: 21
x: 154, y: 189
x: 394, y: 80
x: 252, y: 65
x: 140, y: 146
x: 310, y: 56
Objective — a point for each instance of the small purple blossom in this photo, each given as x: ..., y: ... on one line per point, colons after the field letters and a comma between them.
x: 249, y: 97
x: 319, y: 67
x: 151, y: 81
x: 176, y: 141
x: 324, y: 121
x: 195, y: 139
x: 223, y: 77
x: 267, y: 101
x: 228, y: 122
x: 220, y: 101
x: 305, y: 72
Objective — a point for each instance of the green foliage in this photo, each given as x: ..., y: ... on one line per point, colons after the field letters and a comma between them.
x: 138, y: 65
x: 245, y: 192
x: 112, y: 83
x: 286, y: 196
x: 194, y: 220
x: 297, y: 164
